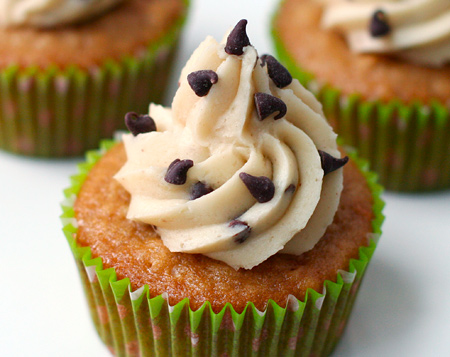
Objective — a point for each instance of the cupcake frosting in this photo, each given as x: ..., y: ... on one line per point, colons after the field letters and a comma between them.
x: 415, y: 30
x: 50, y: 13
x: 244, y: 164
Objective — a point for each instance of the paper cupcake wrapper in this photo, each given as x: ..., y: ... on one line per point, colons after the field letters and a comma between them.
x: 133, y: 323
x: 55, y: 112
x: 408, y: 145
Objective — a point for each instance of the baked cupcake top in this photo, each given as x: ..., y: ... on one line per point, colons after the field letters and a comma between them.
x: 50, y: 13
x: 124, y: 31
x: 415, y: 30
x: 242, y: 166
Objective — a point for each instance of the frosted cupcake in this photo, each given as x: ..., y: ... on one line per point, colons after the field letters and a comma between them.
x: 381, y: 70
x: 228, y: 223
x: 71, y: 69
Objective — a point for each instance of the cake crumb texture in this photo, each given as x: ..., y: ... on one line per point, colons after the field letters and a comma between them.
x: 125, y: 30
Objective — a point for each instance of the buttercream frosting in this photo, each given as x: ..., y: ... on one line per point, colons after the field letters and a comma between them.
x: 224, y: 148
x: 50, y: 13
x: 419, y: 30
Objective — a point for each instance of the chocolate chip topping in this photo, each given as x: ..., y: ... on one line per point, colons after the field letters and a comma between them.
x: 267, y: 104
x: 290, y: 188
x: 202, y: 81
x: 177, y: 171
x: 242, y: 236
x: 139, y: 124
x: 262, y: 188
x: 330, y: 163
x: 279, y: 74
x: 379, y: 25
x: 200, y: 189
x: 237, y: 39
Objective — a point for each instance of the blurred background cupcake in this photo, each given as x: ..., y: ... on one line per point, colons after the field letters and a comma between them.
x: 70, y: 70
x: 381, y: 70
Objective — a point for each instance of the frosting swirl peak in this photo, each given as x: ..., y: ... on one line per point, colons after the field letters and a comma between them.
x: 251, y: 184
x: 416, y: 30
x: 50, y: 13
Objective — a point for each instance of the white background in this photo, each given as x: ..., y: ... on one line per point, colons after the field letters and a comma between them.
x: 403, y: 308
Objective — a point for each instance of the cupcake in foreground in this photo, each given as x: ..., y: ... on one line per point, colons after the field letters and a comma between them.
x: 382, y: 72
x: 71, y: 69
x: 227, y: 224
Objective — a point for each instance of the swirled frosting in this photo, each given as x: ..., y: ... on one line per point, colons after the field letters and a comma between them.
x: 418, y: 30
x: 50, y: 13
x: 222, y: 130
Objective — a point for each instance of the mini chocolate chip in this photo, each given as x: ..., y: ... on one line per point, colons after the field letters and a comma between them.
x: 262, y: 187
x: 330, y: 163
x: 173, y: 163
x: 177, y: 171
x: 242, y: 236
x: 290, y: 188
x: 237, y: 39
x: 200, y: 189
x: 279, y: 74
x: 379, y: 25
x: 202, y: 81
x: 139, y: 124
x: 267, y: 104
x: 263, y: 60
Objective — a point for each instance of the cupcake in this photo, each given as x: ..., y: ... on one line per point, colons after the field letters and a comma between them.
x: 382, y: 72
x: 70, y: 70
x: 227, y: 224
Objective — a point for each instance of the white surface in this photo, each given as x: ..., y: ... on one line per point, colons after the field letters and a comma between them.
x: 403, y: 308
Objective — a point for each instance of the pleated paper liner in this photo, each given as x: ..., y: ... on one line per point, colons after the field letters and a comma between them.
x: 55, y: 113
x: 408, y: 145
x: 133, y: 323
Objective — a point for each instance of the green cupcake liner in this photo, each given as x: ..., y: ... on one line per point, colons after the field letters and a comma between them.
x: 55, y: 113
x: 133, y: 323
x: 408, y: 145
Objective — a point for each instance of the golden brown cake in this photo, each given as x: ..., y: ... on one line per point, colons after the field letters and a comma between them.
x: 125, y: 30
x: 326, y: 54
